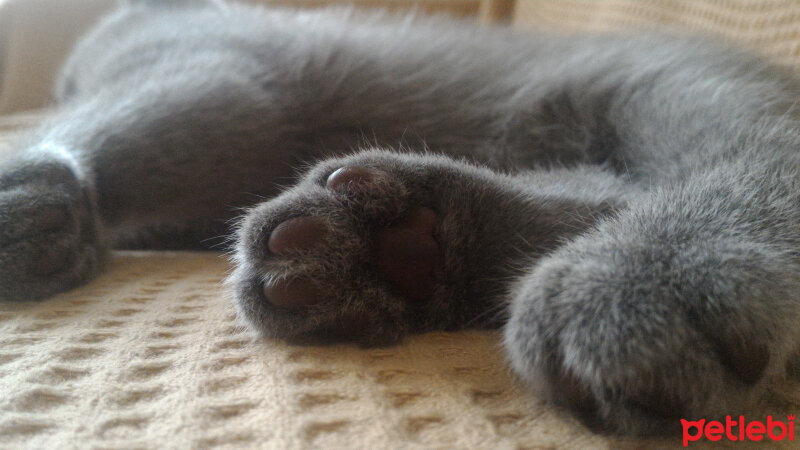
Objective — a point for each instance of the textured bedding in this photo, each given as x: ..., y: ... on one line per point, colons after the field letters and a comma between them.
x: 151, y: 355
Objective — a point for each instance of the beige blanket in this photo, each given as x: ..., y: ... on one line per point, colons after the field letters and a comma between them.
x: 151, y: 355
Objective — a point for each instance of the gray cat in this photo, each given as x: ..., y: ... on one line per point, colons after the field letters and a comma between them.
x: 628, y: 208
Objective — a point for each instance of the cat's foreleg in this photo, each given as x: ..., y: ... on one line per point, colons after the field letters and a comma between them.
x: 376, y: 245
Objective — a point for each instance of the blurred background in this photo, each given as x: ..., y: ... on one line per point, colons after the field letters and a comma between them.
x: 36, y: 35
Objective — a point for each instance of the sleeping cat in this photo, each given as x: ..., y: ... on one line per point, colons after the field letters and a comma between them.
x: 627, y: 208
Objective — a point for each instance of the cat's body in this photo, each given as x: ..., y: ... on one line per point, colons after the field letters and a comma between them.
x: 632, y: 215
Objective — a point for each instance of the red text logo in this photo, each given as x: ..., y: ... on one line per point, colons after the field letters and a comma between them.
x: 738, y: 430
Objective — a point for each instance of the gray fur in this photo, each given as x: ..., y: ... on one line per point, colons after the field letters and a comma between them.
x: 627, y: 206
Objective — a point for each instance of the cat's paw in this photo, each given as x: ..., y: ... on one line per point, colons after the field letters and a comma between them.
x: 632, y: 335
x: 365, y: 248
x: 48, y: 231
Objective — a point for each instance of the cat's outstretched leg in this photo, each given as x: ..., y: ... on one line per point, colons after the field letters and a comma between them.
x: 376, y: 245
x: 679, y: 307
x: 99, y: 172
x: 50, y: 235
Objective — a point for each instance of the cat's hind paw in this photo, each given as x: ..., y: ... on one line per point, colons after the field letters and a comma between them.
x: 49, y: 231
x: 345, y: 255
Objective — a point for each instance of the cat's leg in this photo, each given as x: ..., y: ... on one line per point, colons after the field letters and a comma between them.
x: 681, y: 306
x: 376, y: 245
x: 182, y: 155
x: 102, y: 166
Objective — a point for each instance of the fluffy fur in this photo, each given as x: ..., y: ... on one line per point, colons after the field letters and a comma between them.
x: 626, y: 207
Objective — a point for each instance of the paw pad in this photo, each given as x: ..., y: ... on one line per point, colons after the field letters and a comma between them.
x: 301, y: 233
x: 298, y: 234
x: 350, y: 178
x: 295, y: 293
x: 408, y: 257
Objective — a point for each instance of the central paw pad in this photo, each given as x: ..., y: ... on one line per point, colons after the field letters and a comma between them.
x: 407, y: 255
